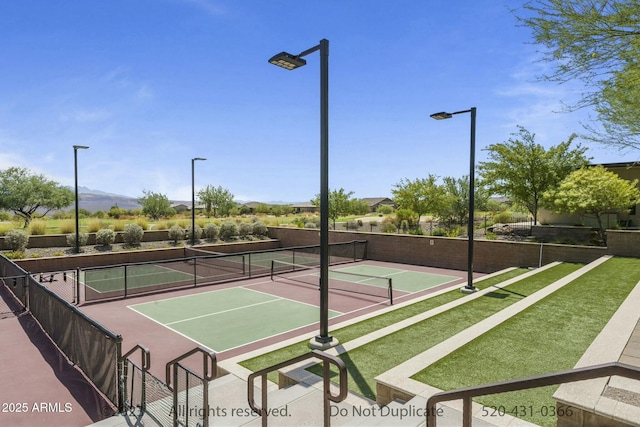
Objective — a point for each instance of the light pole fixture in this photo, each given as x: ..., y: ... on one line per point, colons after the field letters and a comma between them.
x: 193, y: 200
x: 469, y: 287
x: 291, y: 62
x: 75, y: 170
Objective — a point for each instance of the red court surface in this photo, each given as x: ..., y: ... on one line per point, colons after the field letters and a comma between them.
x: 34, y: 373
x: 39, y: 386
x: 165, y: 345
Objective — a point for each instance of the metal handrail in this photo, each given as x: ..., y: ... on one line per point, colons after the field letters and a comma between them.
x: 145, y: 356
x: 579, y: 374
x: 209, y: 372
x: 327, y: 395
x: 207, y: 355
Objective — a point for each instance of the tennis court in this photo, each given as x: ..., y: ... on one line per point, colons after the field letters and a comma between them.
x: 227, y: 318
x: 253, y: 310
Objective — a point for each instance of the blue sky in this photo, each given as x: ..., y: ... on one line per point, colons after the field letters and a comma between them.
x: 151, y: 84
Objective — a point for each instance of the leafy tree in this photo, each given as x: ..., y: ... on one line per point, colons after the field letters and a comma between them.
x: 115, y: 212
x: 455, y: 206
x: 595, y: 42
x: 155, y: 205
x: 593, y: 191
x: 262, y: 208
x: 339, y: 204
x: 24, y: 193
x: 359, y: 207
x: 422, y: 196
x: 217, y: 201
x: 524, y: 170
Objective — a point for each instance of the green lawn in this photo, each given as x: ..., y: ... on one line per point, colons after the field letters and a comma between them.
x: 366, y: 362
x: 359, y: 329
x: 549, y: 336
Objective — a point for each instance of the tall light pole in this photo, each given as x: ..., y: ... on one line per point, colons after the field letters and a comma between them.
x: 469, y: 287
x: 291, y: 62
x: 193, y: 199
x: 75, y: 170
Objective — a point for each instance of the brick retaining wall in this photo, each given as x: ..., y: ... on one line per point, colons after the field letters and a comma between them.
x: 489, y: 255
x: 38, y: 265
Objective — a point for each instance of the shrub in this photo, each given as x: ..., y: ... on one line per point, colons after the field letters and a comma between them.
x: 389, y: 225
x: 94, y: 226
x: 310, y: 225
x: 162, y: 225
x: 211, y: 231
x: 68, y: 226
x: 83, y: 237
x: 4, y: 229
x: 142, y: 222
x: 198, y: 233
x: 228, y: 230
x: 439, y: 232
x: 176, y: 233
x: 14, y: 255
x: 37, y: 227
x: 17, y: 240
x: 132, y: 234
x: 5, y: 216
x: 245, y: 229
x: 184, y: 223
x: 105, y: 237
x: 117, y: 225
x: 260, y: 229
x: 502, y: 217
x: 384, y: 209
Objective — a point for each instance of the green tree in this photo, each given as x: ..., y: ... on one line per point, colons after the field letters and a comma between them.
x: 455, y: 206
x: 24, y: 193
x: 422, y: 196
x: 155, y: 205
x: 217, y: 201
x: 359, y: 207
x: 593, y: 191
x: 339, y: 204
x: 523, y: 170
x: 595, y: 42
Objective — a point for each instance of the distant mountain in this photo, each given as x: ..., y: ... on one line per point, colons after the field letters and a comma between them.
x: 96, y: 200
x: 103, y: 202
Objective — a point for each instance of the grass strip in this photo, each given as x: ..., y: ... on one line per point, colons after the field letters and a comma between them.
x: 366, y: 362
x: 549, y: 336
x: 364, y: 327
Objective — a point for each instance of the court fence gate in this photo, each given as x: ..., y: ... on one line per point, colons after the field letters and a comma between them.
x: 182, y: 400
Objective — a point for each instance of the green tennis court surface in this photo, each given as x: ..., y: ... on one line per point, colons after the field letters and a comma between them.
x: 403, y: 280
x: 229, y: 318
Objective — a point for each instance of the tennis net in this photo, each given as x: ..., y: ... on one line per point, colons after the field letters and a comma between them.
x: 215, y: 265
x: 377, y: 286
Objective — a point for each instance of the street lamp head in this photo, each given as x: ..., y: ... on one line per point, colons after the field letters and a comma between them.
x: 287, y: 61
x: 198, y: 158
x: 441, y: 115
x: 80, y: 147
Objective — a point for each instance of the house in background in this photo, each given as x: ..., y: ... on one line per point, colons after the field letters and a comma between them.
x: 628, y: 171
x: 305, y: 207
x: 375, y: 202
x: 180, y: 207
